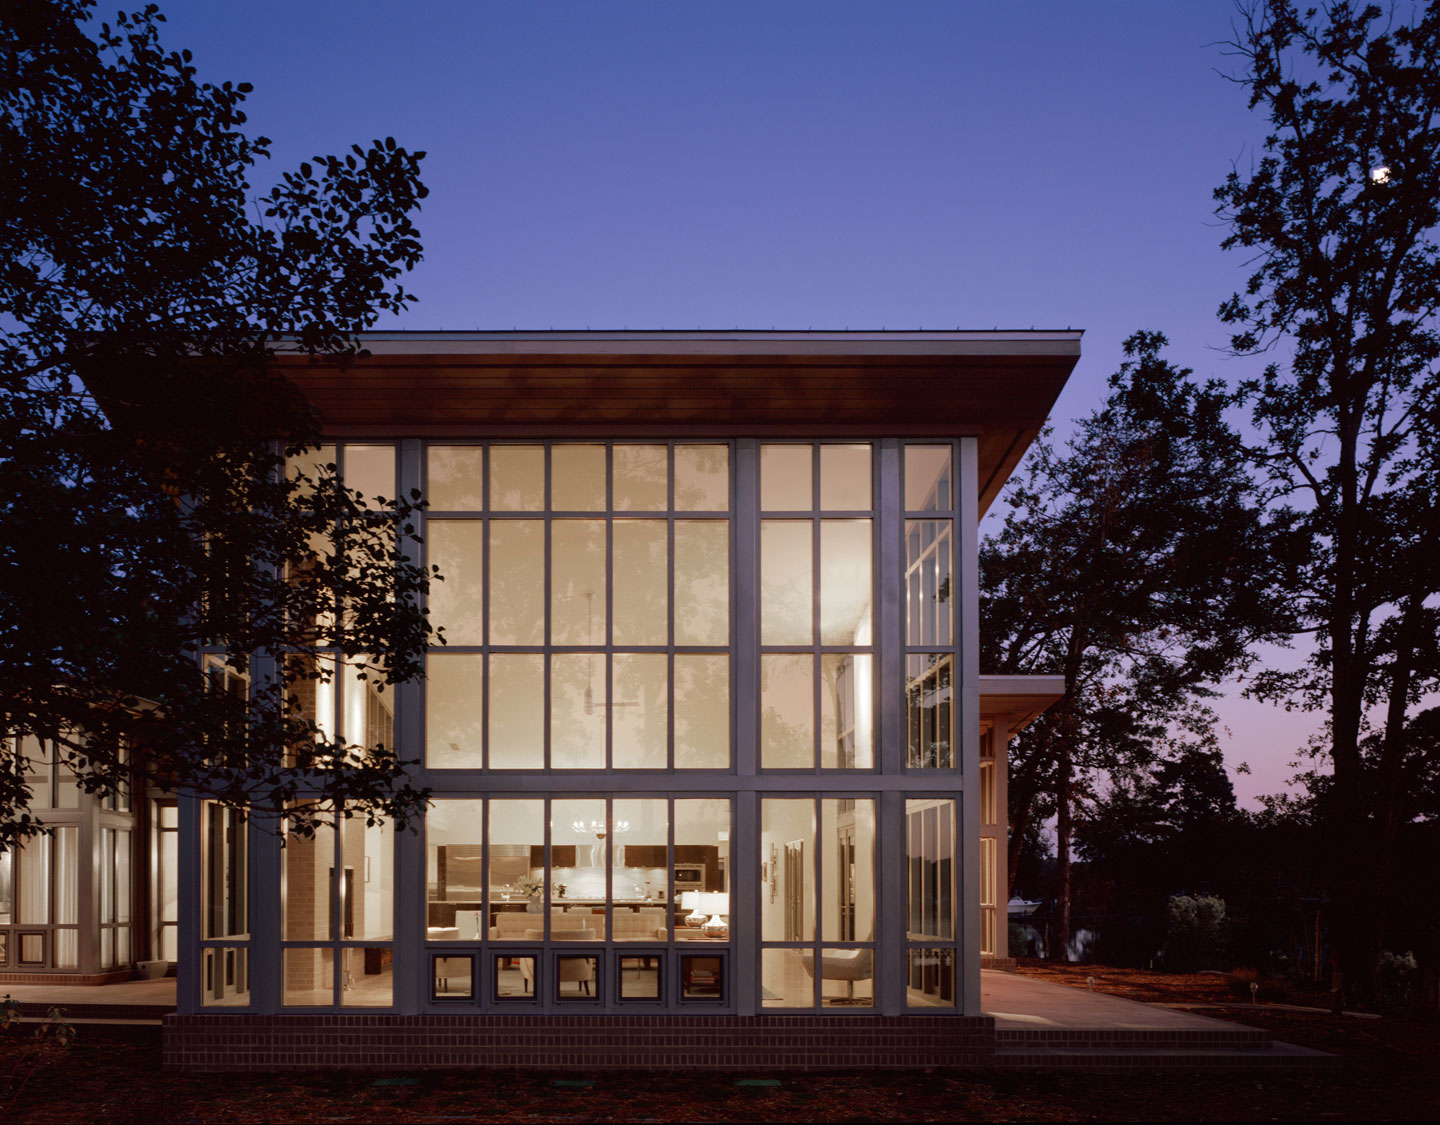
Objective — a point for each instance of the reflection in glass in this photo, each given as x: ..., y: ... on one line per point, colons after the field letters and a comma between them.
x: 927, y: 478
x: 517, y: 478
x: 517, y: 711
x: 787, y: 849
x: 702, y: 478
x: 702, y: 711
x: 702, y: 582
x: 517, y: 583
x: 454, y: 477
x: 786, y: 589
x: 847, y: 711
x: 640, y: 710
x: 453, y: 711
x: 453, y: 978
x: 930, y: 978
x: 577, y: 478
x: 641, y: 605
x: 929, y: 605
x: 786, y: 478
x: 458, y: 603
x: 930, y: 850
x: 577, y: 582
x: 847, y: 863
x: 929, y: 741
x: 787, y: 723
x: 577, y: 710
x: 370, y: 470
x: 844, y: 581
x: 641, y: 478
x: 844, y: 477
x: 454, y: 870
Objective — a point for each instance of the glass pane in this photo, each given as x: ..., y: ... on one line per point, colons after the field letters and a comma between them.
x: 577, y: 978
x: 578, y: 833
x: 641, y: 602
x: 848, y: 978
x: 786, y: 588
x: 929, y: 598
x: 517, y: 583
x: 517, y: 874
x: 517, y: 711
x: 845, y: 592
x: 844, y: 477
x: 39, y: 762
x: 787, y: 978
x: 639, y: 882
x: 847, y: 711
x: 370, y: 469
x: 67, y: 790
x: 67, y: 875
x: 702, y: 863
x: 577, y: 478
x: 453, y: 978
x: 928, y: 711
x: 67, y: 949
x: 312, y: 463
x: 702, y: 582
x: 309, y: 863
x: 930, y: 978
x: 367, y: 895
x: 455, y: 477
x: 369, y: 709
x: 367, y: 977
x: 34, y: 870
x: 517, y: 478
x: 987, y: 794
x: 7, y: 875
x: 702, y: 478
x: 702, y: 977
x: 453, y: 710
x: 787, y: 851
x: 702, y: 711
x: 577, y: 711
x: 309, y: 977
x: 640, y: 977
x: 641, y: 478
x: 927, y: 478
x: 640, y: 710
x: 787, y: 710
x: 458, y: 603
x: 514, y: 978
x: 785, y: 478
x: 577, y: 582
x: 454, y: 870
x: 224, y: 863
x: 847, y: 864
x: 930, y: 833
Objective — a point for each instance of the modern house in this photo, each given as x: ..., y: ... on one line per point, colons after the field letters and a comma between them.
x: 717, y: 779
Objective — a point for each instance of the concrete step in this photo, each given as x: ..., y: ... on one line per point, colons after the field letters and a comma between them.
x: 1276, y: 1056
x: 1223, y: 1037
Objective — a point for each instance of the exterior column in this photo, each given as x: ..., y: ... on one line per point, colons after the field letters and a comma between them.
x: 967, y: 727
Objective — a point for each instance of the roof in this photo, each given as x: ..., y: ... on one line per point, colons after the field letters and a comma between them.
x: 998, y: 386
x: 1018, y: 699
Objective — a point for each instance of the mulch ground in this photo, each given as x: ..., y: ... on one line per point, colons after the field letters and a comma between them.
x: 1390, y: 1071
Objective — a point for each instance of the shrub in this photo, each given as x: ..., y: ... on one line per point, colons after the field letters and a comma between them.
x: 1395, y: 979
x: 1196, y: 934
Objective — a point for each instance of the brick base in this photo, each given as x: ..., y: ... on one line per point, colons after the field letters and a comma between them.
x: 285, y: 1042
x: 115, y: 976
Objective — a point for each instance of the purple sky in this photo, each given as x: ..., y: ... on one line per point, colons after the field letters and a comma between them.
x: 825, y: 164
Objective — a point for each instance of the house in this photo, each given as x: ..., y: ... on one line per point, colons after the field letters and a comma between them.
x: 717, y: 780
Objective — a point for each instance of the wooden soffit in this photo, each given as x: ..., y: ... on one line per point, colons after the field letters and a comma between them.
x: 996, y: 386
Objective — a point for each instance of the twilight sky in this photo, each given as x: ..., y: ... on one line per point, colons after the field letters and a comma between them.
x: 788, y: 164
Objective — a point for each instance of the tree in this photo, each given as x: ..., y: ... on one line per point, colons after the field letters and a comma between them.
x: 1340, y: 219
x: 1128, y: 564
x: 147, y: 509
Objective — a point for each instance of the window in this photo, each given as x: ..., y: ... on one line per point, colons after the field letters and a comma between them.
x: 929, y: 607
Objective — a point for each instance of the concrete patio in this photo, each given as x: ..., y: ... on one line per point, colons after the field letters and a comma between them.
x: 1037, y: 1024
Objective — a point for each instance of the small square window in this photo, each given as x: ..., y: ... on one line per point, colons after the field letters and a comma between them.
x: 452, y: 978
x: 515, y: 976
x: 32, y: 949
x: 640, y: 977
x: 577, y: 978
x: 702, y: 977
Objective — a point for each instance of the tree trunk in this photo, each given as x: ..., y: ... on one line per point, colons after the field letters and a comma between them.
x: 1063, y: 829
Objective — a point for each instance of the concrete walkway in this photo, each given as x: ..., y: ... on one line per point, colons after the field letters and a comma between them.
x: 1023, y: 1002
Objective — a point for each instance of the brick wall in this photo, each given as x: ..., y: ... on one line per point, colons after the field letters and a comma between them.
x: 273, y: 1042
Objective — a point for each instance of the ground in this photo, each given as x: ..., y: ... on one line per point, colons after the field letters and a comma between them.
x: 1389, y: 1071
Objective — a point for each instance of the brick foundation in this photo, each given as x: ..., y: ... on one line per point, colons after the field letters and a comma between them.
x: 279, y: 1042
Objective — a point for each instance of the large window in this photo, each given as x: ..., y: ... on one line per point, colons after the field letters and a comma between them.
x: 586, y: 606
x: 930, y: 848
x: 929, y: 607
x: 816, y: 607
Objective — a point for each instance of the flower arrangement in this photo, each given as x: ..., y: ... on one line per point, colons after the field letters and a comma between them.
x: 530, y: 888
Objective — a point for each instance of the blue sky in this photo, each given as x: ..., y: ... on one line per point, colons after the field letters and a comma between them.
x: 794, y: 163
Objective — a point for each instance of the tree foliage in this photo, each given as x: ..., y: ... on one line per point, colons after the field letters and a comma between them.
x: 1129, y: 564
x: 145, y: 288
x: 1339, y: 217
